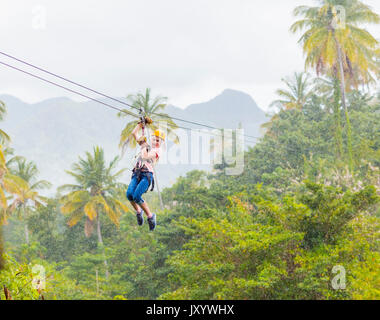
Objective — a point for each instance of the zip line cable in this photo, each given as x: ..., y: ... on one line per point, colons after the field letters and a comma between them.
x: 103, y: 103
x: 88, y: 97
x: 107, y: 96
x: 58, y: 85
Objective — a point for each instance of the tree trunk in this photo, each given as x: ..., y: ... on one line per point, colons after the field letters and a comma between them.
x: 343, y: 92
x: 26, y: 229
x: 7, y: 294
x: 100, y: 240
x: 337, y: 118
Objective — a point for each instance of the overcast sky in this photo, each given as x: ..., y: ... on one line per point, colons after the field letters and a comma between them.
x: 189, y: 51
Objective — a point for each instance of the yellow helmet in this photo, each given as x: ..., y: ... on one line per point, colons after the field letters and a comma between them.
x: 160, y: 134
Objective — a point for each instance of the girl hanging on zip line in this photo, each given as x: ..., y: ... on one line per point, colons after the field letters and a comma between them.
x: 142, y: 176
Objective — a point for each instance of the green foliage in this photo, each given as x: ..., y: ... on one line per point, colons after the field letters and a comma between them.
x: 233, y: 258
x: 301, y: 207
x: 331, y: 210
x: 17, y: 278
x: 1, y: 248
x: 283, y: 250
x: 20, y: 279
x: 274, y: 232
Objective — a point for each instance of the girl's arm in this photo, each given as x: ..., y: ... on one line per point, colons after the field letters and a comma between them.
x: 145, y: 154
x: 136, y: 130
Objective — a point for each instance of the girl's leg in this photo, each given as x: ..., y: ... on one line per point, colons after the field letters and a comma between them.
x: 135, y: 206
x: 141, y: 188
x: 146, y: 209
x: 130, y: 191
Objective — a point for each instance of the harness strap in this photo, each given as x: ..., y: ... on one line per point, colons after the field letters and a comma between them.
x: 143, y: 173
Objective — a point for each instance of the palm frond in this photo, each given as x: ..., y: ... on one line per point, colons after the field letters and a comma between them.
x: 42, y: 184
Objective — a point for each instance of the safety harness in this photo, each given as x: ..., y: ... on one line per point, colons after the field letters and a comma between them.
x: 141, y: 171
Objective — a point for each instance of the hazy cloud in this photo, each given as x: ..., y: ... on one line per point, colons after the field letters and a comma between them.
x: 187, y: 50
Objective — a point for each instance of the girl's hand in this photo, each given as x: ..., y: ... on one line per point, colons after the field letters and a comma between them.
x: 141, y: 140
x: 148, y: 120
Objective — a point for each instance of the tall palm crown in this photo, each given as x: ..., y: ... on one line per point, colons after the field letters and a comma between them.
x: 335, y: 24
x: 24, y: 195
x: 152, y: 108
x: 297, y: 93
x: 9, y: 183
x: 10, y: 158
x: 95, y: 191
x: 28, y: 172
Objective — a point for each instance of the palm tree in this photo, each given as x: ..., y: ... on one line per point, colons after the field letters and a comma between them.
x: 4, y: 138
x: 152, y: 108
x: 295, y: 96
x: 10, y: 158
x: 8, y: 183
x: 25, y: 190
x: 342, y: 49
x: 95, y: 193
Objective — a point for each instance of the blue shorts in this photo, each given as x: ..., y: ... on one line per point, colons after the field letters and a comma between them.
x: 136, y: 189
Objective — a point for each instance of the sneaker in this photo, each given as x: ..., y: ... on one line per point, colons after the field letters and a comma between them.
x: 152, y: 222
x: 140, y: 218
